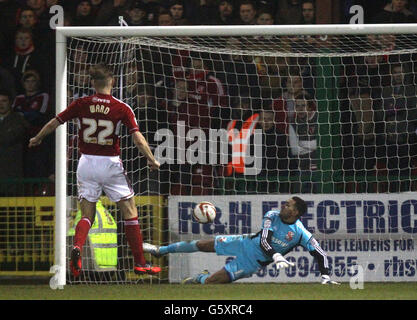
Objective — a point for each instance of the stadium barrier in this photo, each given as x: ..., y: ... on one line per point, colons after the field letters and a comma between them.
x: 27, y: 225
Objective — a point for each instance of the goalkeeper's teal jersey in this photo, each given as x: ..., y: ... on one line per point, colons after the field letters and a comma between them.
x: 284, y: 236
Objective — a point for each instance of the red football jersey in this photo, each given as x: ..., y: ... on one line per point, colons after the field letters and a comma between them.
x: 99, y: 118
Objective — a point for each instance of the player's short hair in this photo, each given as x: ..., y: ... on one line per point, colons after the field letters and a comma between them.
x: 101, y: 74
x: 300, y: 205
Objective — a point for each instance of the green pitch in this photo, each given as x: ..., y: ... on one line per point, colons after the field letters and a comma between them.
x: 237, y: 291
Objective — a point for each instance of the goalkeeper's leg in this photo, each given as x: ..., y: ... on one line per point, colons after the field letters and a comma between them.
x: 180, y: 247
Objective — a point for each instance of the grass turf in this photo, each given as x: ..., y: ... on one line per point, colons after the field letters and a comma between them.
x: 236, y: 291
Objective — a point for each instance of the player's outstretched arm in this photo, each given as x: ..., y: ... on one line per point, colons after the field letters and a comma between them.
x: 47, y: 129
x: 143, y: 147
x: 321, y: 258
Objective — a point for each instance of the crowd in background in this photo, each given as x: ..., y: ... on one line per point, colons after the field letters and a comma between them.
x: 205, y: 94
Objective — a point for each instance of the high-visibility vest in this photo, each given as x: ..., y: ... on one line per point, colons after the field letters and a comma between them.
x: 102, y: 239
x: 240, y: 141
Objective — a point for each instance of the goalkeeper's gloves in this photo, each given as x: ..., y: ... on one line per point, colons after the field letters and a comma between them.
x: 325, y: 279
x: 281, y: 262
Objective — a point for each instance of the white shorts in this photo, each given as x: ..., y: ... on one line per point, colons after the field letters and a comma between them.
x: 96, y: 174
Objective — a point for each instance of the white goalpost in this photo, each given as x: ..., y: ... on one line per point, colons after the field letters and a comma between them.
x: 289, y: 48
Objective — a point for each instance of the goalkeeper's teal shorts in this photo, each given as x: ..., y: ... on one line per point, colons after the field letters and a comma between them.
x: 247, y: 255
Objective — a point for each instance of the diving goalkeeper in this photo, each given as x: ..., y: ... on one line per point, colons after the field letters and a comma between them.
x: 281, y: 232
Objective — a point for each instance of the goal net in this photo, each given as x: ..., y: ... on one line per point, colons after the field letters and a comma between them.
x: 245, y: 119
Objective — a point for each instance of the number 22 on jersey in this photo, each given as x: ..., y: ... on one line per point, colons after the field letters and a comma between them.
x: 103, y: 128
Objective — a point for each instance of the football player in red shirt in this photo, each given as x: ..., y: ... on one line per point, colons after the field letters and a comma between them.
x: 99, y: 118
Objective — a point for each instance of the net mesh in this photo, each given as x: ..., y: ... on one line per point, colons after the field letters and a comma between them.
x: 254, y: 115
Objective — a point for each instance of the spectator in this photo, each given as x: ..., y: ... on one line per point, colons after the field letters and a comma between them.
x: 33, y: 104
x: 275, y: 150
x: 12, y: 142
x: 26, y: 56
x: 27, y: 18
x: 35, y: 107
x: 294, y: 86
x: 395, y: 12
x: 264, y: 17
x: 205, y: 89
x: 365, y: 78
x: 224, y: 14
x: 303, y: 130
x: 44, y: 36
x: 110, y: 11
x: 39, y: 7
x: 153, y: 8
x: 209, y: 90
x: 137, y: 15
x: 165, y: 18
x: 176, y: 7
x: 95, y: 7
x: 308, y: 12
x: 83, y: 14
x: 184, y: 106
x: 289, y: 12
x: 247, y: 12
x: 397, y: 141
x: 240, y: 130
x: 303, y: 43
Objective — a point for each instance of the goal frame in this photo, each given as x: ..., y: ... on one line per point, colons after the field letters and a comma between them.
x: 62, y: 33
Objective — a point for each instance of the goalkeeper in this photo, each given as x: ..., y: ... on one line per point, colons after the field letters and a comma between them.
x: 281, y: 232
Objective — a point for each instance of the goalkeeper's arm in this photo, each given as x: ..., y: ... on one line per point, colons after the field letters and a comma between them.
x: 321, y: 257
